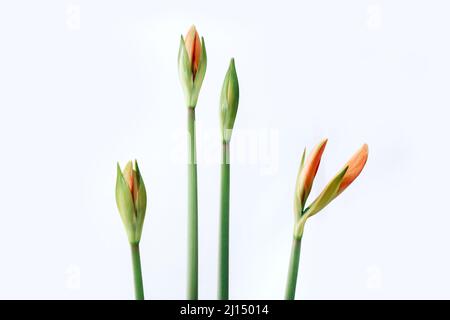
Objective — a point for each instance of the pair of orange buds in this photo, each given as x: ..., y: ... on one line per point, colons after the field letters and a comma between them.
x: 305, y: 179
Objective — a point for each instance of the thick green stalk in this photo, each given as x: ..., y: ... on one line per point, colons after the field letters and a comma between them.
x: 192, y: 288
x: 293, y: 269
x: 137, y: 272
x: 224, y: 229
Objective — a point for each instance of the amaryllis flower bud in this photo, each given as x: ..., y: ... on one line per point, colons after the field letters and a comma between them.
x: 355, y: 166
x: 192, y: 65
x: 306, y: 175
x: 335, y: 187
x: 131, y: 199
x: 229, y: 101
x: 193, y: 48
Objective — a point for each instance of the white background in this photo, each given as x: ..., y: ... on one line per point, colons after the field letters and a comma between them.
x: 84, y: 84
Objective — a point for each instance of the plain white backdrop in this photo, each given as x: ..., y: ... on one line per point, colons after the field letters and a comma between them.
x: 84, y: 84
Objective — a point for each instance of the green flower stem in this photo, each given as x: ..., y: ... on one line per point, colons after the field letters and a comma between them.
x: 293, y: 269
x: 192, y: 289
x: 224, y: 232
x: 137, y: 272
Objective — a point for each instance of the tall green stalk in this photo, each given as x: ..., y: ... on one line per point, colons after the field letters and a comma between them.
x: 293, y: 269
x: 192, y: 210
x: 137, y: 272
x: 224, y: 232
x: 229, y: 101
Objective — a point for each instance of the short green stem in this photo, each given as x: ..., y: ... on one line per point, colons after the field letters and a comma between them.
x: 137, y: 272
x: 293, y: 269
x: 224, y: 229
x: 192, y: 288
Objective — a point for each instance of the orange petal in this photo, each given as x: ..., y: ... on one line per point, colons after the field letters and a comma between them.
x: 130, y: 177
x: 310, y: 169
x: 355, y: 166
x: 193, y: 48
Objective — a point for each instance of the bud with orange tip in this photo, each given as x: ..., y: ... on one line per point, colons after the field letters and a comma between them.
x: 355, y: 166
x: 307, y: 173
x: 131, y: 199
x: 192, y: 65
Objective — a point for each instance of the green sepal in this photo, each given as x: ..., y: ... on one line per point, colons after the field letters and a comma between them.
x: 229, y: 101
x: 324, y: 198
x: 141, y: 204
x: 298, y: 208
x: 125, y: 205
x: 328, y: 194
x: 185, y: 72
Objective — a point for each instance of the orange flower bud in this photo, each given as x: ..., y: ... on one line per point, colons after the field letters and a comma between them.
x: 192, y: 63
x: 193, y: 48
x: 308, y: 172
x: 130, y: 177
x: 355, y: 166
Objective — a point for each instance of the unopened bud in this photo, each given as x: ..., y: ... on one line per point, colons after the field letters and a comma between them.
x: 229, y: 101
x: 131, y: 199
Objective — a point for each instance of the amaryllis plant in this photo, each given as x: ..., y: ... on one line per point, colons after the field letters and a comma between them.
x: 131, y: 199
x: 191, y: 69
x: 302, y: 212
x: 229, y: 101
